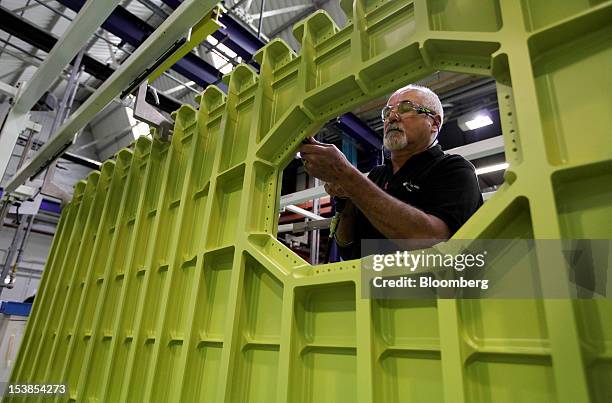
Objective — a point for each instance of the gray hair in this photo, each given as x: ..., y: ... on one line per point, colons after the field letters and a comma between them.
x: 431, y: 99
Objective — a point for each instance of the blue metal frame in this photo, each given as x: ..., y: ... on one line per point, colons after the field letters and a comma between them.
x: 234, y: 35
x: 45, y: 205
x: 51, y: 206
x: 354, y: 127
x: 349, y: 148
x: 238, y: 38
x: 134, y: 31
x: 15, y: 308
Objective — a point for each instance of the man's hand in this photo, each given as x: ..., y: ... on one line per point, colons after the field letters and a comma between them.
x: 325, y: 161
x: 335, y: 190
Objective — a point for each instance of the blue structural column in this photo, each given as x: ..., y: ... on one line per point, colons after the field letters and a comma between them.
x: 349, y: 148
x: 353, y: 126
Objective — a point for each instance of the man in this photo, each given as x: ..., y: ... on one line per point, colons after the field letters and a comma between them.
x: 419, y: 194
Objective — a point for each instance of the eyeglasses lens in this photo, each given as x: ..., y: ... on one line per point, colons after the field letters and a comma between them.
x: 405, y: 107
x: 402, y: 107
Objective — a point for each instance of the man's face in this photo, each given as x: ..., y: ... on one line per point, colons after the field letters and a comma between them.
x: 409, y: 130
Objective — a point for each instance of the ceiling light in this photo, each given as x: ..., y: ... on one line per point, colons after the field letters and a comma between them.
x: 479, y: 121
x: 474, y: 120
x: 492, y: 168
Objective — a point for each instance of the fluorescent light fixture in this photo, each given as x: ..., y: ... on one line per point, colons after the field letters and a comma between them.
x: 479, y: 121
x: 492, y: 168
x: 474, y: 120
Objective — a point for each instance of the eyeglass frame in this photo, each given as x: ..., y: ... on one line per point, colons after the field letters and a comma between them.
x: 419, y: 109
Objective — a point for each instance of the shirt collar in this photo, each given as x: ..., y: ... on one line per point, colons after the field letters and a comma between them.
x: 418, y: 159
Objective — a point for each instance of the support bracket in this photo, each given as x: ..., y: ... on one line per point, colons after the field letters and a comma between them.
x: 8, y: 90
x: 147, y: 113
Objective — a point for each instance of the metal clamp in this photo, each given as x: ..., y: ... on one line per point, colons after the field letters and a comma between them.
x: 147, y: 113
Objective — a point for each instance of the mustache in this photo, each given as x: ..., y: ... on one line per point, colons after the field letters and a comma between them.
x: 393, y: 127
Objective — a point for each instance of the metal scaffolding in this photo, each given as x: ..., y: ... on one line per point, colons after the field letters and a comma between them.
x: 73, y: 40
x: 168, y: 32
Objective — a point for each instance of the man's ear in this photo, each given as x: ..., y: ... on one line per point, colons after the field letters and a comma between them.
x: 437, y: 122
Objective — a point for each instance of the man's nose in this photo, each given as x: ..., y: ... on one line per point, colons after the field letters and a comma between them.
x: 394, y: 116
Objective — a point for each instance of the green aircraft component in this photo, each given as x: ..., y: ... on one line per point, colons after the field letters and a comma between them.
x: 166, y: 283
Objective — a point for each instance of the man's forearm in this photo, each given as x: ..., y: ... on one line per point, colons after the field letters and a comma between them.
x: 392, y: 217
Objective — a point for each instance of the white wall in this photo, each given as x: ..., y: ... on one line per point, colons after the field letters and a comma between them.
x: 30, y: 270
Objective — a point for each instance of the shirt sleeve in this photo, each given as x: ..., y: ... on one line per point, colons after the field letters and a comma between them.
x: 452, y: 193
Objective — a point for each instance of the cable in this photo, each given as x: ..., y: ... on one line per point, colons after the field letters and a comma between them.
x: 333, y: 226
x: 17, y: 205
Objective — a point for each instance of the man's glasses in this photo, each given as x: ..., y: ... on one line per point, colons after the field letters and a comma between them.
x: 405, y: 107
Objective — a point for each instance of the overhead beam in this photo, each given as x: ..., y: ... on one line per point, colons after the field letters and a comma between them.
x: 166, y: 34
x: 40, y: 39
x: 233, y: 35
x: 29, y: 6
x: 83, y: 161
x: 238, y: 38
x: 279, y: 11
x: 135, y: 31
x: 155, y: 8
x: 65, y: 49
x: 7, y: 89
x: 36, y: 63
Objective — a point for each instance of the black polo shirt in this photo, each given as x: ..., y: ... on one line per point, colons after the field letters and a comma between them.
x: 442, y: 185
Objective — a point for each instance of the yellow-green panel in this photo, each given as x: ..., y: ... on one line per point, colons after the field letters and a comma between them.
x: 165, y: 281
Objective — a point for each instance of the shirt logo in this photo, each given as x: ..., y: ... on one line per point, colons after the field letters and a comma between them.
x: 409, y: 186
